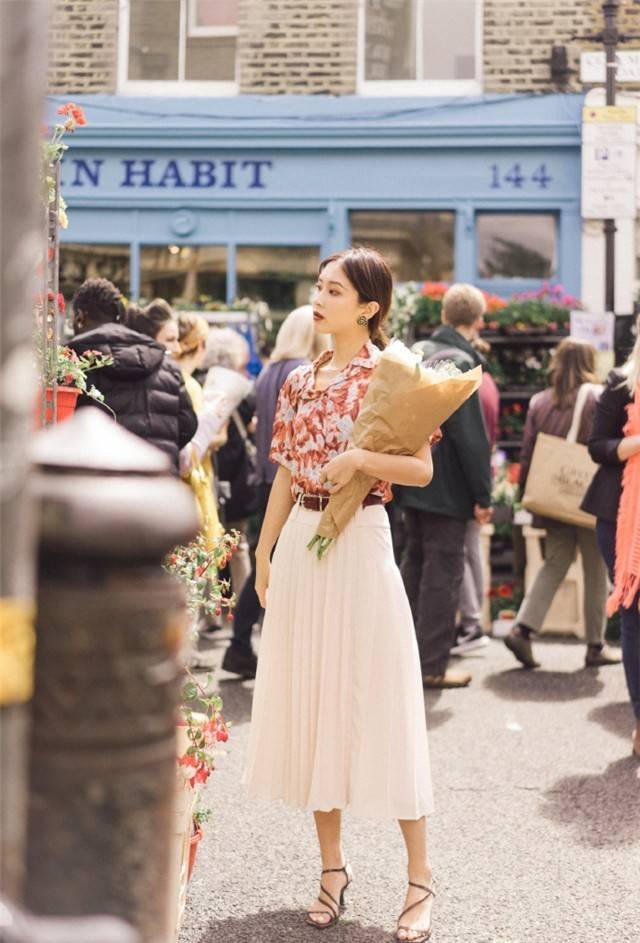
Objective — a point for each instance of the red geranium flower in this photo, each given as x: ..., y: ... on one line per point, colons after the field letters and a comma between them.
x: 70, y: 110
x: 513, y: 473
x: 505, y: 591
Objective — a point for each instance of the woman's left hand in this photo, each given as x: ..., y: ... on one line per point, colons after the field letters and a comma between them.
x: 340, y: 470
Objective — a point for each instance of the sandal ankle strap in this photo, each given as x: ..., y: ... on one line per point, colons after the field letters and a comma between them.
x: 422, y: 887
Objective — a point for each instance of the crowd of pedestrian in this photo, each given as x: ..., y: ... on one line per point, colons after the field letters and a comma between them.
x: 169, y: 383
x: 273, y: 451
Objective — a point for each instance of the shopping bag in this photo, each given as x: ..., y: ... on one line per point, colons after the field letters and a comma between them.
x: 560, y: 473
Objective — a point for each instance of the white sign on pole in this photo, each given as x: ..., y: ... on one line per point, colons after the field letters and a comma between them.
x: 595, y: 329
x: 593, y: 67
x: 608, y: 162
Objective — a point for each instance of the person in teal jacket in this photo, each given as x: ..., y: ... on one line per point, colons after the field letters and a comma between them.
x: 436, y: 516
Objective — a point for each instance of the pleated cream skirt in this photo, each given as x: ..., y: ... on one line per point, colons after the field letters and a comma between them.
x: 338, y: 710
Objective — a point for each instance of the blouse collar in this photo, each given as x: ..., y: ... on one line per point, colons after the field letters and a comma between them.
x: 367, y: 356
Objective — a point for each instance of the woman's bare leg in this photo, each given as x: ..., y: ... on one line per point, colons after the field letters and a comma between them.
x: 329, y: 829
x: 414, y: 832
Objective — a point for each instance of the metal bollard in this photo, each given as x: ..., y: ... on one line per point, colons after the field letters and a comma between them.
x: 109, y: 629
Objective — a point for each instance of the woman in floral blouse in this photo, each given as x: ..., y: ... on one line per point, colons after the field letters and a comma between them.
x: 338, y: 714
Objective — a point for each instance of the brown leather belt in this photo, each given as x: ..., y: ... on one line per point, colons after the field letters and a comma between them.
x: 318, y: 502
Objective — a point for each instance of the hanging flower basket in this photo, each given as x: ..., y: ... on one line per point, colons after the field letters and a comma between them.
x: 66, y: 402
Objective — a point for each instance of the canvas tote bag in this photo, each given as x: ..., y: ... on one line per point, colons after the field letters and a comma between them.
x: 560, y: 473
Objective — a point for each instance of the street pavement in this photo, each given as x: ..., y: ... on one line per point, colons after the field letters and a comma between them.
x: 535, y: 837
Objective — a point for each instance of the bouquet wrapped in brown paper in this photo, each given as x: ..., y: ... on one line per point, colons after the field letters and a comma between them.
x: 404, y: 405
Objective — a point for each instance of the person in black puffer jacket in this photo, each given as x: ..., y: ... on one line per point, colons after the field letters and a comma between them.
x: 144, y: 388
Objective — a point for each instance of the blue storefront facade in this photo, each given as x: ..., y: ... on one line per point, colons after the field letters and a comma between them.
x: 483, y: 189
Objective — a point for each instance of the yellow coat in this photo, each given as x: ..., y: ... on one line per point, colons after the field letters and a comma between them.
x: 200, y: 478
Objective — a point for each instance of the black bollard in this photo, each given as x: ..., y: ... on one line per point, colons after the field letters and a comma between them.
x: 109, y: 629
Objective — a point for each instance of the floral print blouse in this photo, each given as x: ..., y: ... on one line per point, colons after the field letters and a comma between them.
x: 313, y: 426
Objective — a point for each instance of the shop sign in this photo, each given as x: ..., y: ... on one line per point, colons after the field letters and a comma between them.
x: 159, y: 174
x: 593, y: 66
x: 608, y: 162
x: 594, y: 329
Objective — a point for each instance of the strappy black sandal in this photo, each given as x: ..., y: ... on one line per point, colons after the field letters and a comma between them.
x: 422, y: 935
x: 334, y: 907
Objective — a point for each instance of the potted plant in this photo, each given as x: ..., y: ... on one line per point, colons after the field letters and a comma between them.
x: 417, y: 308
x: 67, y: 373
x: 545, y: 311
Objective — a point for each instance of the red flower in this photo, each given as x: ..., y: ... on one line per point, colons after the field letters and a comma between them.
x: 202, y: 775
x: 505, y: 591
x: 513, y: 473
x: 74, y: 112
x: 517, y: 408
x: 188, y: 759
x: 434, y: 290
x: 222, y: 736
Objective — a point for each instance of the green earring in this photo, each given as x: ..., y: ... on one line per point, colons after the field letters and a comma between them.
x: 362, y: 320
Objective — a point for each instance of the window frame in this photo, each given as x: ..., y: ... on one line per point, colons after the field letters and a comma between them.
x: 174, y: 87
x: 193, y: 30
x: 409, y: 87
x: 516, y: 282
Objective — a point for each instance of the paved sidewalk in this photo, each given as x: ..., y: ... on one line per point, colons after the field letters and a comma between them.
x: 535, y: 838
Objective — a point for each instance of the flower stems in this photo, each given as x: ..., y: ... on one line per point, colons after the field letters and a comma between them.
x: 321, y: 545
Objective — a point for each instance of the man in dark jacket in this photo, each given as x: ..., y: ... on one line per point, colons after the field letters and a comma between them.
x: 436, y: 516
x: 143, y: 388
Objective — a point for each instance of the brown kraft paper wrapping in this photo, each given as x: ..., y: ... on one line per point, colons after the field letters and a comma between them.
x: 403, y: 406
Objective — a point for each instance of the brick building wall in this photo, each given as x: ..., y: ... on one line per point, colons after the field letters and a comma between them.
x: 83, y: 46
x: 519, y: 36
x: 298, y: 46
x: 310, y: 46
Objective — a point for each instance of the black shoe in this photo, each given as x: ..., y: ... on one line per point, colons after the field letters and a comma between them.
x: 241, y: 663
x: 521, y: 648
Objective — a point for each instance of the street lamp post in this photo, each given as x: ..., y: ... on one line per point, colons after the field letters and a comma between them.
x: 610, y: 38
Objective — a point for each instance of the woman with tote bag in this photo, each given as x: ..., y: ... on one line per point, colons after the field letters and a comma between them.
x: 552, y: 412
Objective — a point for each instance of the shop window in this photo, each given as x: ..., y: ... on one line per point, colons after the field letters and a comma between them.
x: 408, y: 45
x: 180, y: 46
x: 283, y: 276
x: 417, y: 244
x: 79, y: 262
x: 516, y: 245
x: 183, y: 273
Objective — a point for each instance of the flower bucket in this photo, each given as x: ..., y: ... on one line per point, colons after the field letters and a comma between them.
x: 66, y: 401
x: 194, y: 841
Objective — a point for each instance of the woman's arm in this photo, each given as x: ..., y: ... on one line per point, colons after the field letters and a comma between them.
x: 627, y: 447
x: 414, y: 470
x: 278, y: 508
x: 610, y: 416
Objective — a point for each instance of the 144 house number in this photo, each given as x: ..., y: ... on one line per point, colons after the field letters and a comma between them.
x: 516, y: 178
